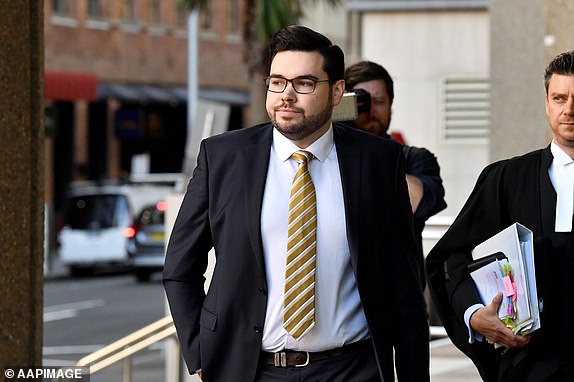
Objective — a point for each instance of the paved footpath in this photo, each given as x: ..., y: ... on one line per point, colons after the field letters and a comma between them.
x: 448, y: 364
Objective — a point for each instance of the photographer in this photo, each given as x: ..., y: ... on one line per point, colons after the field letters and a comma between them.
x: 374, y: 87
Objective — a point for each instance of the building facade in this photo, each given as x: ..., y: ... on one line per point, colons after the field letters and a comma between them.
x: 116, y: 84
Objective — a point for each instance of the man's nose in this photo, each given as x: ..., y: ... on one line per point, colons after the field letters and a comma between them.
x: 569, y: 107
x: 289, y: 93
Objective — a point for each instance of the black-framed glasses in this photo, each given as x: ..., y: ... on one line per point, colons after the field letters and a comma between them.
x: 301, y: 85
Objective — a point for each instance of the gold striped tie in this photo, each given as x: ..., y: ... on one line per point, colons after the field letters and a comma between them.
x: 299, y: 299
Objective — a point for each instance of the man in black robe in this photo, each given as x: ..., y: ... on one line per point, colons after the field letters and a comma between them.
x: 535, y: 190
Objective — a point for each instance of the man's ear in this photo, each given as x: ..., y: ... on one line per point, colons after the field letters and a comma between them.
x: 338, y: 90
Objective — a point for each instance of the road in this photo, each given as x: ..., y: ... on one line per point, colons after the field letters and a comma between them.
x: 82, y: 315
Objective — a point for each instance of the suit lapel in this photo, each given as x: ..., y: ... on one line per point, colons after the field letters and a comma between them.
x: 255, y: 163
x: 349, y: 158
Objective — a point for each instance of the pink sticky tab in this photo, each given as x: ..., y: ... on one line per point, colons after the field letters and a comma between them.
x: 508, y: 287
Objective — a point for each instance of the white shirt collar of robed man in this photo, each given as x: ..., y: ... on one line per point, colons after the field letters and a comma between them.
x: 562, y: 176
x: 320, y: 148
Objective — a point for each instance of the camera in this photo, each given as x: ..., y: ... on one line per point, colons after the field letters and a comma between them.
x: 352, y: 104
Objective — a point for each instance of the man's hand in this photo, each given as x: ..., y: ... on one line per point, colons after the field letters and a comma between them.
x: 486, y: 322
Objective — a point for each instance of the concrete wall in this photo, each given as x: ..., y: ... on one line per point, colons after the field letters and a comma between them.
x: 522, y: 46
x: 518, y: 118
x: 420, y: 50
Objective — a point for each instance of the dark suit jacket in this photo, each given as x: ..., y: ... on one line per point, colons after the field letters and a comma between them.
x: 509, y: 191
x: 221, y: 333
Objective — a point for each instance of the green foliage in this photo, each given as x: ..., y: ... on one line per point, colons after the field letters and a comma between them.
x: 192, y: 4
x: 272, y: 15
x: 263, y: 19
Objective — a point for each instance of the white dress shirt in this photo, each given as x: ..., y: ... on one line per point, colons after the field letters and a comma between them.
x: 561, y: 173
x: 339, y: 316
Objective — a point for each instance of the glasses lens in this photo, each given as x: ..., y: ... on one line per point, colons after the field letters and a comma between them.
x: 303, y: 85
x: 275, y: 84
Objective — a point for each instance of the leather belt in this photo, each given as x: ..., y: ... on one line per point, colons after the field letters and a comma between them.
x: 294, y: 358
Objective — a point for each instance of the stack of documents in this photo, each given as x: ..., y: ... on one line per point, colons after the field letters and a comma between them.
x: 505, y: 263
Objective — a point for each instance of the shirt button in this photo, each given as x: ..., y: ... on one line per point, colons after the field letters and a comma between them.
x: 257, y: 328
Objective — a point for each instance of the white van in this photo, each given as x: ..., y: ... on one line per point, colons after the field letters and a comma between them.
x: 95, y: 219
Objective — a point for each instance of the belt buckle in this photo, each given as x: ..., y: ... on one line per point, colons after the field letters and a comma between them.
x: 306, y: 361
x: 280, y: 359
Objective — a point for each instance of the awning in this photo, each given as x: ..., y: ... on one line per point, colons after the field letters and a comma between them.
x: 157, y: 93
x: 68, y: 86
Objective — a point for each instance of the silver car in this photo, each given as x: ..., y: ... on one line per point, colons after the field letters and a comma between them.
x: 146, y: 241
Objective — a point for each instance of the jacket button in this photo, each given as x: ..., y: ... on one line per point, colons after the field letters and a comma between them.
x: 262, y: 291
x: 258, y: 329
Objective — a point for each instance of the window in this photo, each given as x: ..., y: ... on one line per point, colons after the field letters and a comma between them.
x: 63, y: 13
x: 181, y: 14
x: 466, y: 108
x: 94, y: 9
x: 98, y: 15
x: 60, y: 7
x: 154, y: 12
x: 232, y: 17
x: 206, y: 17
x: 97, y: 211
x: 128, y: 12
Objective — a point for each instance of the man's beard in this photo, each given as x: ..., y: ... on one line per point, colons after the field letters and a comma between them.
x: 374, y: 125
x: 308, y: 126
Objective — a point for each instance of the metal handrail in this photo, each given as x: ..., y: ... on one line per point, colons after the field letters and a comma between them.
x: 124, y: 348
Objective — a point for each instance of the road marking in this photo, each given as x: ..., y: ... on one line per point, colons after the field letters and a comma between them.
x: 70, y: 310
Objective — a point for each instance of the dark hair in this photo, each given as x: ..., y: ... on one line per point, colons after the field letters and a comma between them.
x: 367, y: 71
x: 300, y: 38
x: 561, y: 64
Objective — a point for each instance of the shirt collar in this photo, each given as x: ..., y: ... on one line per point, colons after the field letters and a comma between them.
x: 320, y: 148
x: 560, y: 157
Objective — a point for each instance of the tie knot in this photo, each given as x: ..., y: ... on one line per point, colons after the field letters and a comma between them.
x: 302, y: 156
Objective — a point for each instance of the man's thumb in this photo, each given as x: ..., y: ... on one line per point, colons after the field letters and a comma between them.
x: 495, y: 304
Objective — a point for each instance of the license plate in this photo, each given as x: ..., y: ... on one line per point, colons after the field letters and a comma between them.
x: 157, y: 236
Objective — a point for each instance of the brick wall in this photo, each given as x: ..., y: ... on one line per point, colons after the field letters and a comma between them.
x: 140, y: 51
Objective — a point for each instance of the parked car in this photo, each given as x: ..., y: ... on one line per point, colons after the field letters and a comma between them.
x: 96, y: 222
x: 146, y: 241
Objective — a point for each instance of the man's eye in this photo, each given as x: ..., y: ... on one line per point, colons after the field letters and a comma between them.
x: 276, y: 81
x: 305, y: 83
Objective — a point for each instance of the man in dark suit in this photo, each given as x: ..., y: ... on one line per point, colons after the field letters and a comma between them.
x: 362, y: 294
x: 536, y: 190
x: 424, y: 183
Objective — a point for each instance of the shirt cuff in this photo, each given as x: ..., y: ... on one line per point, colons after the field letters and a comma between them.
x: 472, y: 336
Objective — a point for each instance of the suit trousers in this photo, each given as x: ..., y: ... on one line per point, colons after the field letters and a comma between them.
x: 355, y: 366
x: 521, y: 366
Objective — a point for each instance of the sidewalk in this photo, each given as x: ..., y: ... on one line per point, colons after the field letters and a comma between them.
x: 448, y: 364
